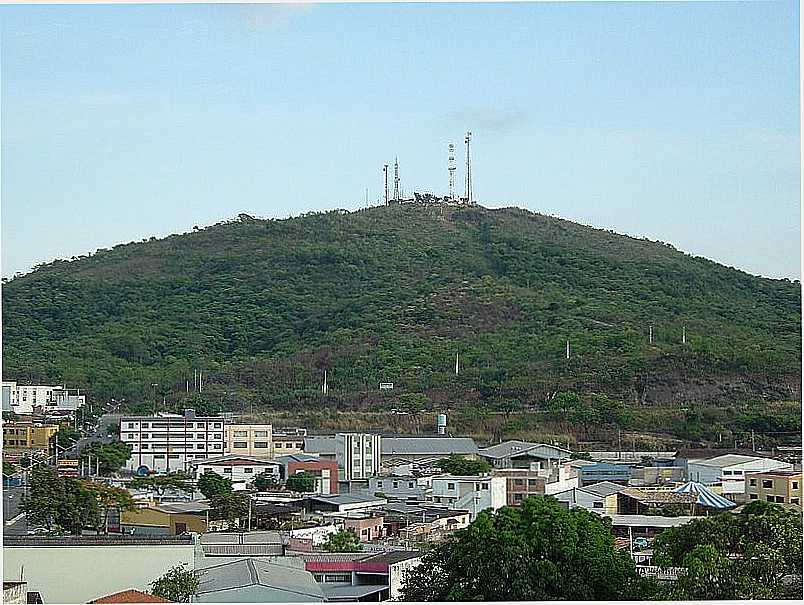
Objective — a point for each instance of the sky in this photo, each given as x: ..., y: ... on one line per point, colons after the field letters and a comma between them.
x: 673, y: 121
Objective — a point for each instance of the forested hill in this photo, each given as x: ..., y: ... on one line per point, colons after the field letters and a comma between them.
x: 390, y: 294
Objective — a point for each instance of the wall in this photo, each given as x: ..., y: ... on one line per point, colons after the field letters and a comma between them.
x: 328, y: 470
x: 396, y: 575
x: 54, y: 571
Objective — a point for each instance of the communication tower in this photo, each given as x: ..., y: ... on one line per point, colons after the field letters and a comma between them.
x: 385, y: 173
x: 396, y: 180
x: 468, y: 169
x: 451, y: 167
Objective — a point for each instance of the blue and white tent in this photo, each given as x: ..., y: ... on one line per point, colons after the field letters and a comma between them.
x: 705, y: 496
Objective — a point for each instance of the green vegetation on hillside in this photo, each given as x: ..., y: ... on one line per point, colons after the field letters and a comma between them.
x: 391, y: 294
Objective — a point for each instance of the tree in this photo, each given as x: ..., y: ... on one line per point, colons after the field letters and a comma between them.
x: 537, y: 551
x: 458, y: 465
x: 301, y: 482
x: 178, y: 585
x: 67, y: 435
x: 8, y: 469
x: 264, y: 481
x: 754, y: 554
x: 345, y: 540
x: 230, y: 507
x: 160, y: 483
x: 212, y: 484
x: 109, y: 457
x: 60, y: 503
x: 108, y: 498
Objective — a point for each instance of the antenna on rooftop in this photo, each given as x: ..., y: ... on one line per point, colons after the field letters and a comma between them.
x: 396, y: 179
x: 451, y: 167
x: 468, y: 169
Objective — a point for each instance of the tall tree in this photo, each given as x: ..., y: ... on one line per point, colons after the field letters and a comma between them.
x: 108, y: 498
x: 346, y: 540
x: 178, y: 585
x: 212, y: 484
x: 458, y: 465
x: 538, y: 551
x: 301, y: 482
x: 754, y: 554
x: 230, y: 507
x: 160, y: 483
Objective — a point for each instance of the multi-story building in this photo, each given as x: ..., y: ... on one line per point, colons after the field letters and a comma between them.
x: 30, y: 399
x: 522, y: 483
x: 357, y: 455
x: 472, y: 493
x: 400, y: 487
x: 170, y: 442
x: 240, y: 470
x: 325, y: 471
x: 29, y: 436
x: 248, y: 439
x: 287, y: 441
x: 780, y: 487
x: 729, y: 471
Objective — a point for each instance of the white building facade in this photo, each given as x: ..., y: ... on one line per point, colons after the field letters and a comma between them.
x: 241, y: 470
x: 472, y: 493
x: 358, y: 455
x: 28, y: 399
x: 170, y: 442
x: 729, y: 471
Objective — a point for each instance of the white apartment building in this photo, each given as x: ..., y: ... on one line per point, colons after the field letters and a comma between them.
x: 472, y: 493
x: 27, y: 399
x: 248, y: 439
x: 170, y: 442
x: 358, y: 455
x: 241, y: 470
x: 729, y: 470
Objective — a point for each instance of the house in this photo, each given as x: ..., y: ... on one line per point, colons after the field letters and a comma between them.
x: 780, y: 487
x: 251, y: 580
x: 639, y: 501
x: 115, y: 563
x: 325, y: 471
x: 353, y: 577
x: 169, y: 442
x: 523, y: 454
x: 166, y: 519
x: 30, y: 399
x: 342, y: 503
x: 286, y: 441
x: 524, y: 482
x: 472, y: 493
x: 241, y: 470
x: 369, y: 526
x: 729, y: 470
x: 130, y: 596
x: 400, y: 487
x: 599, y: 497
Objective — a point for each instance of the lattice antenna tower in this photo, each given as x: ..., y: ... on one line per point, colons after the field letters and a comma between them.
x: 468, y: 140
x: 451, y: 167
x: 396, y: 179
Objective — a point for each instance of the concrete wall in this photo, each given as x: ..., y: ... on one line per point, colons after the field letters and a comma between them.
x: 78, y: 574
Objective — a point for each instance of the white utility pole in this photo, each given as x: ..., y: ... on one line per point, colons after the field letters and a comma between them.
x: 456, y: 363
x: 650, y: 334
x: 684, y: 335
x: 568, y: 350
x: 325, y: 388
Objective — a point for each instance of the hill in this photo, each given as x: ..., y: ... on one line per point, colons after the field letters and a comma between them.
x: 390, y: 294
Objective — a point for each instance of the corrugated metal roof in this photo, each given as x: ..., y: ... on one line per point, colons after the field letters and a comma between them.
x: 285, y: 577
x: 604, y: 488
x: 516, y: 447
x: 428, y: 445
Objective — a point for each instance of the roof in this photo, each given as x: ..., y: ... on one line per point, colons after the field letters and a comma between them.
x: 235, y: 460
x: 726, y: 460
x: 130, y: 596
x: 102, y: 540
x: 283, y: 581
x: 298, y: 458
x: 252, y: 537
x: 394, y: 556
x: 352, y: 592
x: 428, y: 445
x: 705, y: 496
x: 197, y: 506
x: 515, y: 447
x: 320, y: 445
x: 658, y: 497
x: 339, y: 499
x: 776, y: 473
x: 604, y: 488
x: 649, y: 521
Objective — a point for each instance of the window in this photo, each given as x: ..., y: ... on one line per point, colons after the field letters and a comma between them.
x: 484, y: 486
x: 300, y: 445
x: 519, y: 482
x: 518, y: 497
x: 410, y: 484
x: 769, y: 498
x: 217, y: 446
x: 217, y: 425
x: 396, y: 484
x: 752, y: 482
x: 726, y: 472
x: 767, y: 483
x: 248, y: 470
x: 240, y: 444
x: 131, y: 425
x: 200, y: 446
x: 260, y: 433
x: 261, y: 444
x: 532, y: 483
x: 738, y: 472
x: 145, y: 425
x: 795, y: 484
x: 379, y: 483
x: 794, y: 500
x: 227, y: 469
x: 173, y: 456
x: 216, y: 436
x: 200, y: 436
x: 338, y: 577
x: 597, y: 504
x: 132, y: 436
x: 159, y: 456
x: 145, y: 446
x: 753, y: 496
x: 450, y: 486
x: 241, y: 433
x: 780, y: 499
x: 279, y: 445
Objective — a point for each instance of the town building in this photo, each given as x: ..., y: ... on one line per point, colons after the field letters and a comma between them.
x: 130, y: 596
x: 248, y: 439
x: 246, y: 544
x: 167, y: 519
x: 523, y: 454
x: 369, y: 526
x: 240, y: 470
x: 253, y: 580
x: 599, y: 497
x: 522, y: 483
x: 287, y: 441
x: 25, y: 437
x: 116, y: 563
x: 472, y: 493
x: 781, y: 487
x: 39, y: 399
x: 400, y: 487
x: 423, y: 524
x: 325, y: 471
x: 595, y: 472
x: 170, y: 442
x: 729, y: 470
x: 342, y: 503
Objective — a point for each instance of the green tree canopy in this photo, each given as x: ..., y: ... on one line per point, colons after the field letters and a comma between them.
x: 159, y: 483
x: 109, y: 457
x: 264, y: 481
x: 230, y: 507
x: 212, y: 484
x: 178, y: 585
x: 345, y: 540
x: 60, y: 503
x: 458, y: 465
x: 538, y: 551
x: 754, y: 554
x: 301, y: 482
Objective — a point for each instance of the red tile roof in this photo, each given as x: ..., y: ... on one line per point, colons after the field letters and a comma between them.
x: 130, y: 596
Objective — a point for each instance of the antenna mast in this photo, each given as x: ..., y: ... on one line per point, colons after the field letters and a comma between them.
x: 468, y: 169
x: 385, y: 173
x: 451, y: 168
x: 396, y: 179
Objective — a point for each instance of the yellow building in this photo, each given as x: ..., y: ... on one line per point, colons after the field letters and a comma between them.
x: 28, y: 436
x: 172, y: 519
x: 248, y: 439
x: 779, y: 487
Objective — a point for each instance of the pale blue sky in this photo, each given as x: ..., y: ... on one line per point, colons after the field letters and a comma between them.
x: 675, y: 121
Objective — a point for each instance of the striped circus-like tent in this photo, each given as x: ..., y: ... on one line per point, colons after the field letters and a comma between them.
x: 705, y: 496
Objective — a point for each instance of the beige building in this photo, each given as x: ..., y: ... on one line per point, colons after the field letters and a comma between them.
x: 248, y: 439
x: 288, y: 441
x: 28, y: 436
x: 780, y: 487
